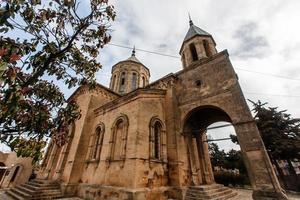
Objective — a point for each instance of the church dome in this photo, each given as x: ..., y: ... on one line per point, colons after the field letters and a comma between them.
x: 128, y: 75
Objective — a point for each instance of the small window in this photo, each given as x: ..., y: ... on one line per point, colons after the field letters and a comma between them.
x: 122, y: 82
x: 113, y: 82
x: 193, y: 52
x: 133, y: 83
x: 198, y: 83
x: 157, y: 140
x: 143, y: 81
x: 206, y: 48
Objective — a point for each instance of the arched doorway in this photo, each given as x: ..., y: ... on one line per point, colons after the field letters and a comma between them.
x: 195, y: 127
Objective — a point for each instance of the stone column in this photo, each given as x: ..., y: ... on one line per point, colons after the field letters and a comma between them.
x: 207, y: 175
x: 191, y: 155
x: 58, y: 170
x: 50, y: 161
x: 207, y: 158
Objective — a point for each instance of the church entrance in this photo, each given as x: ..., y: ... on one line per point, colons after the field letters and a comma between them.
x: 195, y: 131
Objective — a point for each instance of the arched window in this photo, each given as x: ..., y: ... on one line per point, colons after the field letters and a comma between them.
x: 96, y: 142
x: 113, y: 82
x: 157, y: 140
x: 13, y: 178
x: 143, y: 82
x: 193, y: 52
x: 133, y: 81
x: 206, y: 48
x: 122, y: 82
x: 183, y: 60
x: 118, y: 139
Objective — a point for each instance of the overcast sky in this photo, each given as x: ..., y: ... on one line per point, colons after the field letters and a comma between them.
x: 261, y: 36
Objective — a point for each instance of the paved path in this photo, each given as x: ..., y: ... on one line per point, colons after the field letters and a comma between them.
x: 247, y: 195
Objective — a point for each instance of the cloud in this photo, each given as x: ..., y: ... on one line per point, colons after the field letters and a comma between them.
x: 250, y: 43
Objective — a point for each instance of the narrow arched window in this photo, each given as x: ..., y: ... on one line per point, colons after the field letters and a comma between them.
x: 133, y: 81
x: 122, y: 82
x: 143, y: 82
x: 13, y: 178
x: 96, y: 142
x: 193, y: 52
x: 157, y: 140
x: 113, y: 82
x: 118, y: 139
x: 183, y: 60
x: 206, y: 48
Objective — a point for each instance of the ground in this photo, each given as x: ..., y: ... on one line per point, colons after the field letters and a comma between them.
x: 242, y: 195
x: 246, y: 195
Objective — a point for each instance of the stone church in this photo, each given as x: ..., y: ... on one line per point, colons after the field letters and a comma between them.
x: 141, y: 140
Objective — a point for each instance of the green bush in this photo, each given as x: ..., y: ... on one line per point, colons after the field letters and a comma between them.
x: 229, y: 178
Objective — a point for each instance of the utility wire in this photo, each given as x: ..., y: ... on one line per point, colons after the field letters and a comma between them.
x: 147, y: 51
x: 240, y: 69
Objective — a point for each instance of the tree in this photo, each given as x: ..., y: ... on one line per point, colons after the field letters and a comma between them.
x: 217, y: 156
x: 279, y: 131
x: 234, y: 160
x: 46, y: 43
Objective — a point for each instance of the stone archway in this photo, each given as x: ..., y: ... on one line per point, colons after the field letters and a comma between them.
x: 259, y: 168
x: 195, y: 125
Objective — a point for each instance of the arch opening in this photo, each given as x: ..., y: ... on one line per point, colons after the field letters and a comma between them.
x: 204, y: 169
x: 194, y: 52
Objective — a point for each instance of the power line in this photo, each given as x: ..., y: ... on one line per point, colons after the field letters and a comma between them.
x: 143, y: 50
x: 276, y: 95
x: 267, y: 74
x: 240, y: 69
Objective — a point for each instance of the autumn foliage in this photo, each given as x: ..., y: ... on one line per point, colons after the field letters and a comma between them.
x: 44, y: 44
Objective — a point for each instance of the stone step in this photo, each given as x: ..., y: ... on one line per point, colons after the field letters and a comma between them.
x: 20, y: 193
x: 37, y: 185
x: 228, y: 196
x: 206, y: 187
x: 34, y: 187
x: 207, y: 191
x: 25, y: 189
x: 41, y: 181
x: 36, y: 190
x: 14, y: 195
x: 211, y: 192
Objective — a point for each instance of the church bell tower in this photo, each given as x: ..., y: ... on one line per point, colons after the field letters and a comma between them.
x: 197, y: 44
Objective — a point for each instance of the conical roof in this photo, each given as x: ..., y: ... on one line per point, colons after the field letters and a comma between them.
x: 132, y: 58
x: 194, y: 30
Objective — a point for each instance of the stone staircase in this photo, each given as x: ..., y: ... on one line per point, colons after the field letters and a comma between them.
x: 209, y: 192
x: 34, y: 190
